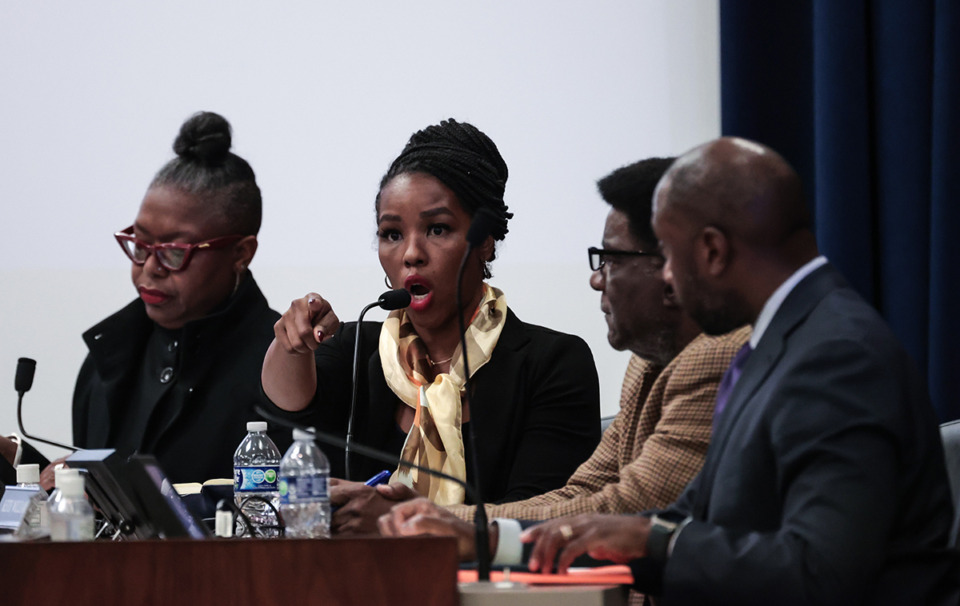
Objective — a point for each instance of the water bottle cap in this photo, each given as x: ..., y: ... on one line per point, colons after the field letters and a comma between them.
x: 71, y: 485
x: 303, y: 435
x: 28, y: 473
x: 256, y: 426
x: 61, y: 472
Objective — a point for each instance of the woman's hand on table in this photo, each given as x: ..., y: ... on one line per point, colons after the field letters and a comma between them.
x: 359, y: 506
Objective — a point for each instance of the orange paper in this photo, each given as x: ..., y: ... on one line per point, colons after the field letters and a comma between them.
x: 601, y: 575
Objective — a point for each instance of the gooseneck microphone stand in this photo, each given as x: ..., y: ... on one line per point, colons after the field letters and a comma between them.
x: 390, y: 300
x: 367, y: 451
x: 479, y: 231
x: 23, y: 382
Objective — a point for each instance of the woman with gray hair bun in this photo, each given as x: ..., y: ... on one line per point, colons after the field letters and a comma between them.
x: 534, y: 404
x: 174, y: 373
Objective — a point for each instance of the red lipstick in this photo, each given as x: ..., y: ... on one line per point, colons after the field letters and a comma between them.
x: 151, y: 296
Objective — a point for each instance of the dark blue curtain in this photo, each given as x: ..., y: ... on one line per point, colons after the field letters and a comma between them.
x: 863, y: 98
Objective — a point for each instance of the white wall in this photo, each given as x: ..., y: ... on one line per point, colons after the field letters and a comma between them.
x: 322, y: 96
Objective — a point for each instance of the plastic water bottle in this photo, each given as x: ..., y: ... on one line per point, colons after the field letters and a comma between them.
x: 58, y: 475
x: 71, y: 517
x: 55, y: 495
x: 35, y: 522
x: 255, y: 466
x: 305, y: 489
x: 28, y: 476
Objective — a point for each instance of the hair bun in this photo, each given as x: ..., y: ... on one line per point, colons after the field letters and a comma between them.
x: 204, y: 138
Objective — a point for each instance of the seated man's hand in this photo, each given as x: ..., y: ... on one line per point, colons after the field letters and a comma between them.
x: 360, y: 505
x: 619, y: 538
x: 48, y: 475
x: 422, y: 516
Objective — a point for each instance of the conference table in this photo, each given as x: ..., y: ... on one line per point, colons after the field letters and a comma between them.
x: 419, y: 571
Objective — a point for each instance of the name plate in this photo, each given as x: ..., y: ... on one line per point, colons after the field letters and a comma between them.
x: 13, y: 507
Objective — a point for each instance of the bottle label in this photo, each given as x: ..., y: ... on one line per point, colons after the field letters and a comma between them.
x: 261, y: 478
x: 300, y: 489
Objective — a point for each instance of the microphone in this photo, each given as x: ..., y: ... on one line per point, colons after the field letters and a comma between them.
x: 24, y: 379
x: 390, y: 300
x: 23, y: 382
x: 480, y: 228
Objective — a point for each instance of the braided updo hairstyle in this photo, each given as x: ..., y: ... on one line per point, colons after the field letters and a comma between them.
x: 206, y: 167
x: 464, y: 159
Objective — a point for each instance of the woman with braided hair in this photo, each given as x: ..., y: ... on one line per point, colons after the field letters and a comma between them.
x: 534, y: 404
x: 174, y: 373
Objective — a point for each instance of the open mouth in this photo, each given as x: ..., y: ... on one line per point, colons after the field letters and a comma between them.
x: 420, y: 292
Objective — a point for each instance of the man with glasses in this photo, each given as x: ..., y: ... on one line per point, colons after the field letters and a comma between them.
x: 657, y: 442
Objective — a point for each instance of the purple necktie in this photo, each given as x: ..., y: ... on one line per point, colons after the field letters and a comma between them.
x: 730, y: 378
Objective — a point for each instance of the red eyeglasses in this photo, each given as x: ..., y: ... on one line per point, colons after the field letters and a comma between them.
x: 174, y: 256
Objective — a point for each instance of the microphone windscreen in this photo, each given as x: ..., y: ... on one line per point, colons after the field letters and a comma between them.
x: 25, y: 370
x: 480, y: 228
x: 394, y: 299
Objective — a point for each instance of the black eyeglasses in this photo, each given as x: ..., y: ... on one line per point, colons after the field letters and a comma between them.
x: 599, y: 256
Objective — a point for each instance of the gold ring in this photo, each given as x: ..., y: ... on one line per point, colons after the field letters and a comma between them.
x: 566, y: 532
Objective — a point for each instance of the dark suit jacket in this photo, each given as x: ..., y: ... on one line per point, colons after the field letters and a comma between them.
x: 217, y: 386
x: 535, y: 408
x: 825, y: 480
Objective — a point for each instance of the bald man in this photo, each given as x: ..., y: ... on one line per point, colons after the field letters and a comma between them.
x: 825, y: 481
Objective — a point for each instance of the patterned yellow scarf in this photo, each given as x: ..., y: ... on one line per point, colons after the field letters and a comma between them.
x: 435, y: 439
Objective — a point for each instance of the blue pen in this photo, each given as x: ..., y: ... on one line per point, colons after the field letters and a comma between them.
x: 380, y: 478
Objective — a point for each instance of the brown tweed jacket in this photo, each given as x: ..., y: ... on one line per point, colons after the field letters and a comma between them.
x: 655, y: 445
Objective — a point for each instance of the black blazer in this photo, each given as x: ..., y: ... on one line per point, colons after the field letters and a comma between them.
x: 214, y: 395
x: 535, y: 407
x: 825, y: 480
